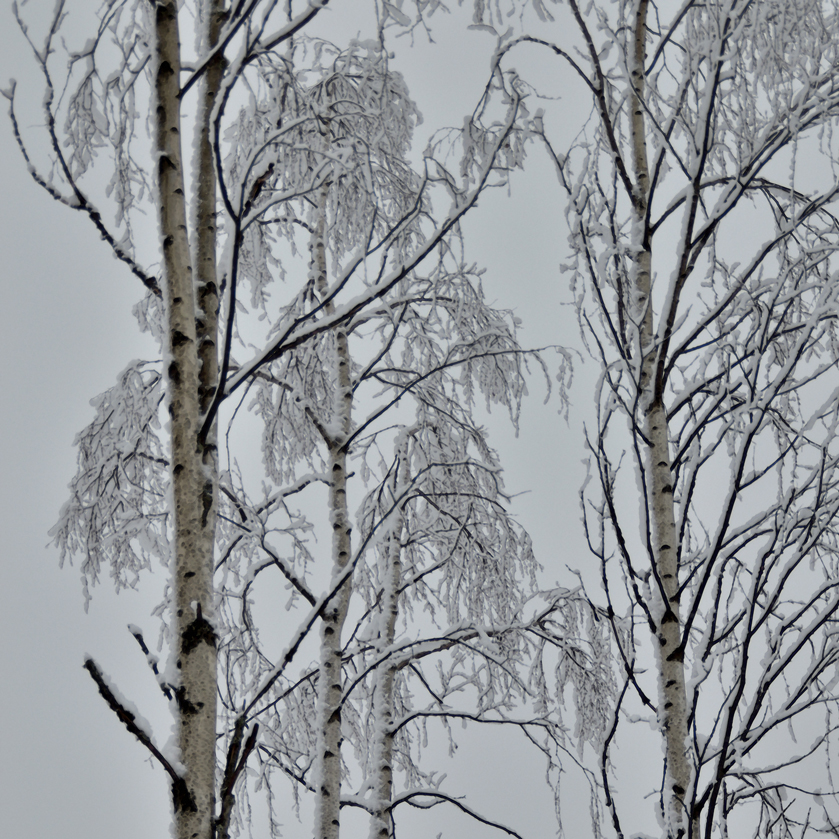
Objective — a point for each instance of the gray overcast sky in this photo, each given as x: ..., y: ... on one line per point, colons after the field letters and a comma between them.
x: 68, y: 767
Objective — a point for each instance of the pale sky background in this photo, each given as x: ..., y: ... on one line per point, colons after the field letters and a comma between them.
x: 67, y: 766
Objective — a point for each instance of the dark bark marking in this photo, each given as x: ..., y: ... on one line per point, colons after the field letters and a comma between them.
x: 207, y: 500
x: 199, y: 630
x: 184, y: 705
x: 174, y: 373
x: 181, y: 798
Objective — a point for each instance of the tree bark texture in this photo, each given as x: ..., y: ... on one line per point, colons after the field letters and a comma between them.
x: 194, y: 637
x: 328, y: 778
x: 381, y: 822
x: 657, y: 469
x: 205, y: 231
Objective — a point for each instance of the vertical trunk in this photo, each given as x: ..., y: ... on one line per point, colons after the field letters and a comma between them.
x: 205, y: 233
x: 207, y: 325
x: 381, y: 823
x: 658, y: 479
x: 328, y: 779
x: 194, y: 637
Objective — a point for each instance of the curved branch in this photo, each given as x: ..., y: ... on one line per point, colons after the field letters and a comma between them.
x: 408, y: 798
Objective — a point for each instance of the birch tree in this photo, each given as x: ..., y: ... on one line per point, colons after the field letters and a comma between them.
x: 299, y: 175
x: 701, y: 191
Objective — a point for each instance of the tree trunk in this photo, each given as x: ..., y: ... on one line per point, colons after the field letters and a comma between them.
x: 658, y: 478
x: 328, y: 777
x: 205, y: 237
x: 194, y: 638
x: 207, y: 330
x: 381, y: 822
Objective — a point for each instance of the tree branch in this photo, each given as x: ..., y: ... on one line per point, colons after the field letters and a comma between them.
x: 180, y: 792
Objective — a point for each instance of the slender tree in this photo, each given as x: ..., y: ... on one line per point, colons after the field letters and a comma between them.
x: 703, y: 238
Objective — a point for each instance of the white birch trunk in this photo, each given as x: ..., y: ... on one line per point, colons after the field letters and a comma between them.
x: 328, y: 776
x: 658, y: 478
x: 205, y: 237
x: 381, y: 823
x: 194, y: 637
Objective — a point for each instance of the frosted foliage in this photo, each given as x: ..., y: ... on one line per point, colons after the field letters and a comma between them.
x: 468, y: 558
x: 284, y: 400
x: 117, y: 513
x: 494, y: 15
x: 345, y: 119
x: 464, y: 560
x: 428, y: 349
x: 467, y: 568
x: 588, y: 668
x: 448, y: 324
x: 491, y: 673
x: 102, y: 112
x: 730, y: 194
x: 292, y: 736
x: 150, y: 316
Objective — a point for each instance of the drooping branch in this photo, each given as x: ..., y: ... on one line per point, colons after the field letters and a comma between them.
x: 439, y: 798
x: 79, y: 201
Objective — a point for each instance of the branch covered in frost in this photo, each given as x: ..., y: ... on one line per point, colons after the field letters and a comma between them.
x: 180, y: 793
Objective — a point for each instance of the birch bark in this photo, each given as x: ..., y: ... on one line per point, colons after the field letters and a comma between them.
x: 194, y: 636
x: 658, y: 476
x: 328, y: 779
x: 381, y: 822
x: 205, y: 236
